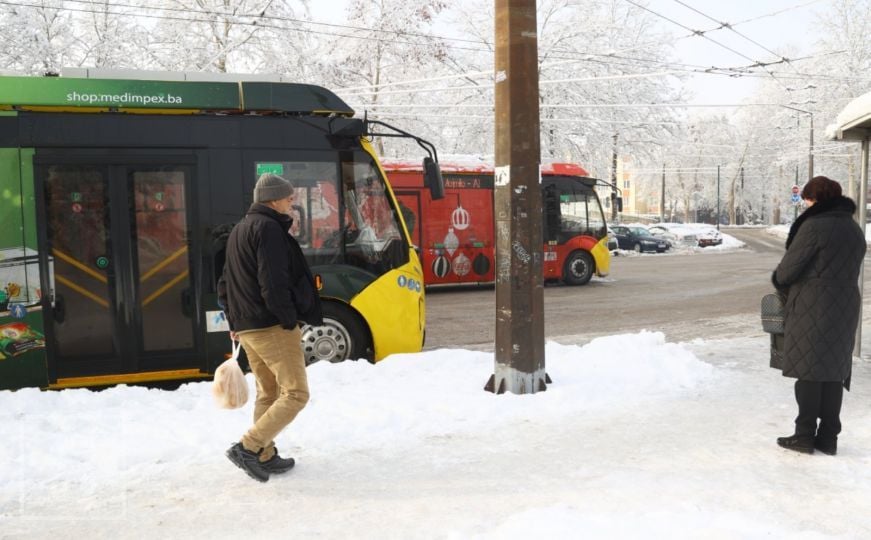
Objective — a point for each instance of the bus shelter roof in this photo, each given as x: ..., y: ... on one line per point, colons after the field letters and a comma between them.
x: 854, y: 121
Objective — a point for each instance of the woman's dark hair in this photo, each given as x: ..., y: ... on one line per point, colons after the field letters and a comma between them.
x: 821, y: 189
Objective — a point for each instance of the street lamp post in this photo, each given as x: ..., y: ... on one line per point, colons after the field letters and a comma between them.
x: 718, y: 197
x: 810, y: 152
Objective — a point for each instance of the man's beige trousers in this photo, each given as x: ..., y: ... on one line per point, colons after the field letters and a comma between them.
x: 276, y: 359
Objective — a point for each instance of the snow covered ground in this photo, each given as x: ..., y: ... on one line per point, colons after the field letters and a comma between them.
x: 637, y: 437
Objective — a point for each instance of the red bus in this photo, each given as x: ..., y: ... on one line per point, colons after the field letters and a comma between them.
x: 456, y: 235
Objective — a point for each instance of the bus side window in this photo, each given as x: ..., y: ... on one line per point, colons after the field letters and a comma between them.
x: 552, y: 213
x: 298, y: 230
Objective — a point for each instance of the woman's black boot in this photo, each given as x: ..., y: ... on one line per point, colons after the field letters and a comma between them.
x: 826, y: 445
x: 797, y: 443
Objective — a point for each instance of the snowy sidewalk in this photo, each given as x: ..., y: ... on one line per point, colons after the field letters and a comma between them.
x: 636, y: 438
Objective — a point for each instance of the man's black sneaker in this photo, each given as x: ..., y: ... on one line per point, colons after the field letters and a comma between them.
x: 277, y: 464
x: 826, y: 446
x: 248, y: 461
x: 797, y: 443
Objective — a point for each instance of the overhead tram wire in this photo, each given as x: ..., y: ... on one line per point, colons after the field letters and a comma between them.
x: 255, y: 23
x: 258, y: 23
x: 728, y: 72
x: 273, y: 17
x: 543, y: 120
x: 549, y: 81
x: 258, y: 16
x: 330, y: 25
x: 729, y: 27
x: 581, y: 105
x: 709, y: 38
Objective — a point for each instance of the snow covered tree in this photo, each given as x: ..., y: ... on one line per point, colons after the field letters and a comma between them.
x: 388, y: 41
x: 224, y: 35
x: 109, y: 36
x: 38, y: 37
x: 592, y: 56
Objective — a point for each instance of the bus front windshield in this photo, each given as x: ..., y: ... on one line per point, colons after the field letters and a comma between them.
x: 372, y: 224
x: 343, y: 214
x: 581, y: 212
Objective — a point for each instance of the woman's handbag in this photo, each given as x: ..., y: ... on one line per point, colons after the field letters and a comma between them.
x: 230, y: 387
x: 773, y: 313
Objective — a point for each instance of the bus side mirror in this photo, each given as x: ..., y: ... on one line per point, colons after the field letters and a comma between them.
x: 432, y: 177
x: 617, y: 201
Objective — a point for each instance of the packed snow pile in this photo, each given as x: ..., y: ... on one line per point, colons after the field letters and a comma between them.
x: 635, y: 438
x: 353, y: 405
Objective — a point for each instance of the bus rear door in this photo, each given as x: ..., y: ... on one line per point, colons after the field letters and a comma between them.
x: 115, y: 236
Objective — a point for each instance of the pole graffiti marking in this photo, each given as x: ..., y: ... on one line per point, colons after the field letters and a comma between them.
x: 521, y: 252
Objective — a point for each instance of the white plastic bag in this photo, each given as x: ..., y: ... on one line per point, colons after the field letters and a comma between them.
x: 230, y: 387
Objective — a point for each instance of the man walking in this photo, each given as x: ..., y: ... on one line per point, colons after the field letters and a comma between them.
x: 267, y: 291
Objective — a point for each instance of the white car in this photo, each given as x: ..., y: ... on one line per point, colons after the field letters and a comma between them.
x: 675, y: 234
x: 710, y: 237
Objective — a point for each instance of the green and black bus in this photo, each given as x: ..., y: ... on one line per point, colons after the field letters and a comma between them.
x: 116, y: 198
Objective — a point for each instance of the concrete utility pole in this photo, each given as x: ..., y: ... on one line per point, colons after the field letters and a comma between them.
x: 740, y: 200
x: 519, y: 282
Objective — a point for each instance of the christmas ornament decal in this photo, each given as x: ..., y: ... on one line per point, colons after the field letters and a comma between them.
x: 462, y: 265
x: 451, y: 241
x: 481, y: 264
x: 441, y: 266
x: 460, y: 218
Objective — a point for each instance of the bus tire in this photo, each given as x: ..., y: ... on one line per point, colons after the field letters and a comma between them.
x: 343, y: 336
x: 578, y: 269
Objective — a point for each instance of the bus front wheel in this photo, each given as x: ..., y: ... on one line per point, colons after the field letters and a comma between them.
x: 342, y: 336
x: 578, y: 268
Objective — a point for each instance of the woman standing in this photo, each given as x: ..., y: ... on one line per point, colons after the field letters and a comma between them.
x: 820, y: 271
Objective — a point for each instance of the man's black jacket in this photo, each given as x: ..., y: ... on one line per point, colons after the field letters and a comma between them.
x: 266, y: 280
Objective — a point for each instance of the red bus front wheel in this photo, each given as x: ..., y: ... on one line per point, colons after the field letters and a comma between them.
x: 578, y: 269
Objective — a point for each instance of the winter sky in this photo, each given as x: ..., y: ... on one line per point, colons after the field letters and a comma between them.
x: 789, y: 32
x: 792, y: 28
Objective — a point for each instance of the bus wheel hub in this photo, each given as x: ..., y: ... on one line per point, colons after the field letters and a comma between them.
x: 329, y: 342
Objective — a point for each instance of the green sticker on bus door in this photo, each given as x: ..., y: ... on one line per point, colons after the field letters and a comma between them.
x: 274, y: 168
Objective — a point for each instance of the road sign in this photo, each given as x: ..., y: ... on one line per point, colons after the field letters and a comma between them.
x: 795, y: 190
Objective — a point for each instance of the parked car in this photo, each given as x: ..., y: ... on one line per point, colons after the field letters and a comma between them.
x: 677, y: 235
x: 638, y: 239
x: 710, y: 237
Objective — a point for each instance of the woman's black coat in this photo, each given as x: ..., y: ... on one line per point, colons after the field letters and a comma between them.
x: 824, y: 252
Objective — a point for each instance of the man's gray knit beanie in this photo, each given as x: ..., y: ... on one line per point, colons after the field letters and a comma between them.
x: 271, y: 187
